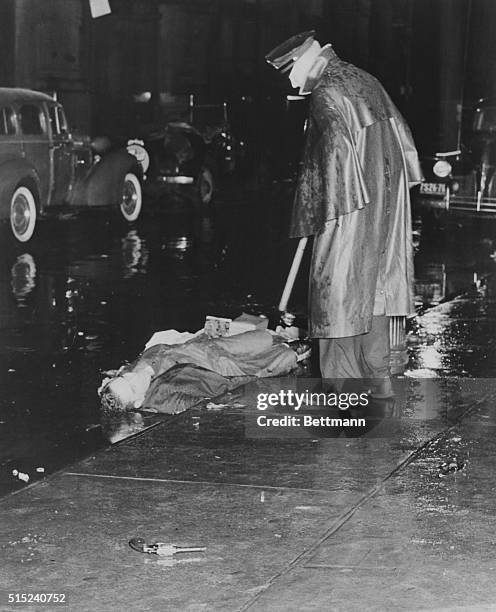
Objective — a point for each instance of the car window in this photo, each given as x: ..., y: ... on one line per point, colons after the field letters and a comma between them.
x: 57, y: 120
x: 7, y: 121
x: 52, y: 115
x: 62, y: 120
x: 32, y: 119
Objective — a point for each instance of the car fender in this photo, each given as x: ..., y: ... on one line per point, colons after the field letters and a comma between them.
x: 102, y: 186
x: 13, y: 173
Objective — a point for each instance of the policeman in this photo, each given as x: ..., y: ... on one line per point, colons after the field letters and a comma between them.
x: 352, y: 196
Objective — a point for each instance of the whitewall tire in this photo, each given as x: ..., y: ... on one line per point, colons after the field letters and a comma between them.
x: 132, y: 198
x: 22, y: 213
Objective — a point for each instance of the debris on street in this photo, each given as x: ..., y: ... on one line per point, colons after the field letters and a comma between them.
x: 213, y: 406
x: 452, y: 465
x: 216, y: 327
x: 20, y: 475
x: 286, y: 328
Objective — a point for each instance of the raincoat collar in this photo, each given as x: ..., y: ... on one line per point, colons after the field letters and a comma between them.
x: 326, y: 54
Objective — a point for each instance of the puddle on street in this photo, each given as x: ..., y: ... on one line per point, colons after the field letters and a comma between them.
x: 454, y: 294
x: 86, y: 294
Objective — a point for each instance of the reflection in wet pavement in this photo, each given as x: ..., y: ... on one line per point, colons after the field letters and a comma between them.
x: 453, y: 333
x: 85, y: 295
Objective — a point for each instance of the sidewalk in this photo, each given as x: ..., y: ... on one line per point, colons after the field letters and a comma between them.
x: 316, y: 523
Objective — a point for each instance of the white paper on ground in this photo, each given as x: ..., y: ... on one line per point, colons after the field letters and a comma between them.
x: 99, y: 8
x: 172, y: 336
x: 169, y: 336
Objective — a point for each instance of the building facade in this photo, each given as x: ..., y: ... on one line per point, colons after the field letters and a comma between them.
x: 427, y: 54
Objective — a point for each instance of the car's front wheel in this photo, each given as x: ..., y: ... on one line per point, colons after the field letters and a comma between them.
x: 22, y: 213
x: 132, y: 198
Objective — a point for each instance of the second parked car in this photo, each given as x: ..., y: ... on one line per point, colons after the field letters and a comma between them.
x: 463, y: 181
x: 180, y: 145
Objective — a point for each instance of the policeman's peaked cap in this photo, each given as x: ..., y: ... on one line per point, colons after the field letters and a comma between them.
x: 287, y: 53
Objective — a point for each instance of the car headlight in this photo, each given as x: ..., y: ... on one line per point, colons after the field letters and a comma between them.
x: 136, y: 148
x: 442, y: 168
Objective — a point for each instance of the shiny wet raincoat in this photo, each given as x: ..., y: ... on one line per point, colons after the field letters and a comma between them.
x: 353, y: 197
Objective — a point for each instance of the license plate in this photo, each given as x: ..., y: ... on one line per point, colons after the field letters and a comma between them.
x: 433, y: 188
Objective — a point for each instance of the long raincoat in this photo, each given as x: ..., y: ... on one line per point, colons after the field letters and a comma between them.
x: 359, y: 160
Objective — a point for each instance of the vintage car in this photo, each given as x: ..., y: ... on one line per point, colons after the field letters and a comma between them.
x: 44, y: 166
x: 196, y: 150
x: 463, y: 181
